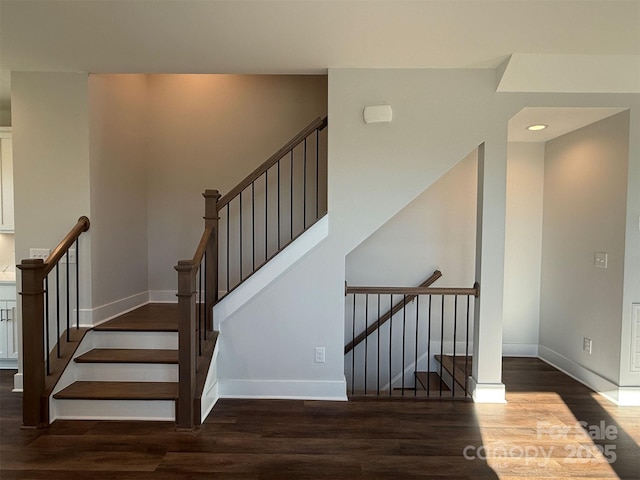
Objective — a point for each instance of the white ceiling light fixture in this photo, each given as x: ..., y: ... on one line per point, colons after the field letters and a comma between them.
x: 537, y: 127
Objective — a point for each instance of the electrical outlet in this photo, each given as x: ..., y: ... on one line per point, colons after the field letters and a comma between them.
x: 587, y: 345
x: 319, y: 354
x: 42, y: 253
x: 600, y: 260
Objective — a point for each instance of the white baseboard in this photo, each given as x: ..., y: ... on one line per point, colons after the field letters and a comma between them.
x: 114, y: 309
x: 487, y: 392
x: 629, y: 396
x: 18, y: 382
x: 582, y: 374
x: 284, y: 389
x: 519, y: 349
x: 163, y: 296
x: 274, y: 268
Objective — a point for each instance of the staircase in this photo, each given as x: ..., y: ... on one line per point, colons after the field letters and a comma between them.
x: 414, y: 341
x: 157, y: 362
x: 130, y: 369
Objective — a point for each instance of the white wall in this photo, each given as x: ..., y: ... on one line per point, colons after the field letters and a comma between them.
x: 523, y: 248
x: 209, y: 132
x: 585, y: 201
x: 118, y: 166
x: 434, y: 231
x: 51, y: 164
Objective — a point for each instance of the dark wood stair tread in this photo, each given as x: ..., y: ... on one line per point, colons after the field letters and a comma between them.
x: 153, y: 317
x: 119, y: 391
x: 124, y: 355
x: 432, y: 380
x: 462, y: 363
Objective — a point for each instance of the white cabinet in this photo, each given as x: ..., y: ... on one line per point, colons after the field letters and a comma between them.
x: 6, y: 180
x: 8, y: 330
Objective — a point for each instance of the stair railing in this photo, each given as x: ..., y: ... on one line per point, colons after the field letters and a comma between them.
x: 386, y: 316
x: 438, y: 321
x: 287, y: 189
x: 48, y: 296
x: 272, y: 206
x: 197, y: 293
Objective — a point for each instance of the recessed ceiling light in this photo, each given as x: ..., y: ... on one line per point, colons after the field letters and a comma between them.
x: 537, y: 127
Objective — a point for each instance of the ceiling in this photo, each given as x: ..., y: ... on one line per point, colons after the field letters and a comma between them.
x: 303, y: 36
x: 558, y: 120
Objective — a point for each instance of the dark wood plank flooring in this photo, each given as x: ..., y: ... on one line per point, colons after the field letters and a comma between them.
x: 534, y: 435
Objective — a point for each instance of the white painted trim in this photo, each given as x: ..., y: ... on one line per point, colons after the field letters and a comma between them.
x: 18, y: 382
x: 629, y: 397
x: 147, y: 410
x: 114, y: 309
x: 272, y: 270
x: 582, y: 374
x: 284, y: 389
x: 487, y: 392
x: 519, y: 349
x: 163, y: 296
x: 211, y: 391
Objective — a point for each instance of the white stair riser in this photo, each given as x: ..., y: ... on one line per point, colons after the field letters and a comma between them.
x: 126, y: 372
x: 149, y: 410
x: 141, y: 340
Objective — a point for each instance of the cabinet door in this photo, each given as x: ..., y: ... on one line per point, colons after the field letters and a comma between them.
x: 6, y: 185
x: 4, y: 330
x: 12, y: 330
x: 8, y: 330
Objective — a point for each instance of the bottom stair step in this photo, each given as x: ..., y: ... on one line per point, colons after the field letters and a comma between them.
x: 119, y: 391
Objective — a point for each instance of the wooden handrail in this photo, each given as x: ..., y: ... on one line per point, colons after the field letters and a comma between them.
x: 318, y: 124
x: 81, y: 226
x: 35, y: 404
x: 202, y: 246
x: 188, y: 330
x: 415, y: 290
x: 384, y: 318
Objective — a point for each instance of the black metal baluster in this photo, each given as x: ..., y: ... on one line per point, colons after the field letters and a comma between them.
x: 291, y: 194
x: 278, y: 205
x: 353, y: 350
x: 441, y: 341
x: 415, y: 361
x: 429, y: 348
x: 77, y: 284
x: 203, y: 266
x: 228, y: 215
x: 266, y: 215
x: 455, y: 325
x: 378, y: 353
x: 57, y: 310
x: 466, y: 356
x: 199, y: 297
x: 253, y: 225
x: 68, y: 303
x: 390, y: 337
x: 317, y: 173
x: 241, y: 245
x: 46, y: 321
x: 404, y: 328
x: 366, y: 338
x: 304, y: 185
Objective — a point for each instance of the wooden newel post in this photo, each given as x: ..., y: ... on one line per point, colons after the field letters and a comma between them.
x: 186, y: 344
x: 211, y: 218
x: 34, y: 404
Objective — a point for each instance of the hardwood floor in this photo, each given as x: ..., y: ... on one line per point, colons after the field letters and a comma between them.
x: 534, y: 435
